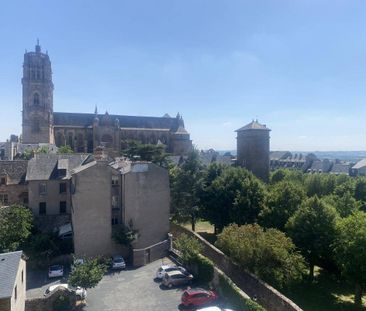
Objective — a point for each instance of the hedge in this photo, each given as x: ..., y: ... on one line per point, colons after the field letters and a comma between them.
x: 205, y: 269
x: 232, y: 293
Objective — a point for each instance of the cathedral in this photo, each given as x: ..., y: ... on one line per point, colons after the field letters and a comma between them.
x: 83, y: 132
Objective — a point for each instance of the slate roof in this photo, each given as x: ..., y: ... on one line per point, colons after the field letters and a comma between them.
x: 360, y: 164
x: 279, y: 155
x: 15, y: 171
x: 340, y: 168
x: 9, y: 263
x: 254, y: 125
x: 45, y: 166
x: 86, y: 119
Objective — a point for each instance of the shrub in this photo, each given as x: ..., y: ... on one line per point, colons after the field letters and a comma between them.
x: 205, y: 269
x: 62, y: 303
x: 232, y: 293
x: 189, y: 247
x: 269, y: 254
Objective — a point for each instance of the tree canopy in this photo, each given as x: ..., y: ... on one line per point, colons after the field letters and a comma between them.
x: 267, y: 253
x: 233, y: 196
x: 147, y: 152
x: 350, y: 250
x: 88, y: 274
x: 312, y: 228
x: 186, y: 182
x: 15, y: 227
x: 282, y: 201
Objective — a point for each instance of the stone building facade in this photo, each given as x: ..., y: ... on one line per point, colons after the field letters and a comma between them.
x: 13, y: 187
x: 253, y: 149
x: 12, y: 281
x: 83, y: 132
x: 48, y: 177
x: 108, y: 194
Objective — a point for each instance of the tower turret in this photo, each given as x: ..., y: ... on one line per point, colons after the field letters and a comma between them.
x: 37, y: 115
x: 253, y: 149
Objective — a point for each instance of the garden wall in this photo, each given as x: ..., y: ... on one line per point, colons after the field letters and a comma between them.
x: 48, y: 303
x: 263, y: 293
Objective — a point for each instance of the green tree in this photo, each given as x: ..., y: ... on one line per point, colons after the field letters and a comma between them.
x: 267, y: 253
x: 186, y: 182
x: 360, y: 189
x: 43, y: 149
x: 65, y: 149
x: 350, y: 251
x: 345, y: 205
x: 88, y: 274
x: 124, y: 234
x: 15, y: 227
x: 188, y: 247
x: 312, y: 228
x: 283, y: 199
x: 234, y: 196
x: 147, y: 152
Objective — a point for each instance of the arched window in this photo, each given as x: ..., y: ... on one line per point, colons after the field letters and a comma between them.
x: 80, y: 143
x: 36, y: 99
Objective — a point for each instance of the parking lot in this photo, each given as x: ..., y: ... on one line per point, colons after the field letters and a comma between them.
x: 130, y: 289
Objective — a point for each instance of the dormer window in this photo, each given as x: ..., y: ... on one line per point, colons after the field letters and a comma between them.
x: 2, y: 180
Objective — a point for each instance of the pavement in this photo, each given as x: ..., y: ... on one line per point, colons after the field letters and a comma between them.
x: 128, y: 290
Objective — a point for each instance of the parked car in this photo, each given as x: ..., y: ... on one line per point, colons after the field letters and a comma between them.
x: 198, y: 296
x: 118, y: 262
x: 213, y: 308
x: 167, y: 268
x: 80, y: 292
x: 176, y: 277
x: 55, y: 271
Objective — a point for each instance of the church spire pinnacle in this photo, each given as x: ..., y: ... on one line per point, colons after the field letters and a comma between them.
x: 38, y: 47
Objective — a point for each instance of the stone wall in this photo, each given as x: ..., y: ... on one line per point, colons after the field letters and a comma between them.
x: 265, y: 294
x: 146, y: 255
x: 47, y: 303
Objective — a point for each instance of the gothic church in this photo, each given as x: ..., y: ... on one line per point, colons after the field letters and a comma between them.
x: 83, y: 132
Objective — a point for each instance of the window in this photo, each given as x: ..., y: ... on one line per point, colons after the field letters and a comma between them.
x: 63, y: 187
x: 63, y: 207
x: 114, y: 221
x: 15, y: 292
x: 42, y: 188
x: 3, y: 181
x: 4, y: 198
x: 42, y: 208
x: 36, y: 99
x: 114, y: 180
x: 22, y: 276
x: 114, y: 201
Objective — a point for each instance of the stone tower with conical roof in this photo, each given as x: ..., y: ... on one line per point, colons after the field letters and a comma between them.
x: 37, y: 114
x: 253, y: 149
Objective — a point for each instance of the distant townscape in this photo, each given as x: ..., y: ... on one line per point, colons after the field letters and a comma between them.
x: 86, y: 195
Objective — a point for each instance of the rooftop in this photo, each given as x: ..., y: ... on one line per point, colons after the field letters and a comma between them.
x: 254, y: 125
x: 9, y: 263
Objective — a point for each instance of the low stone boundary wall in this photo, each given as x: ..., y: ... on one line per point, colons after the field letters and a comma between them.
x: 266, y: 295
x: 48, y: 303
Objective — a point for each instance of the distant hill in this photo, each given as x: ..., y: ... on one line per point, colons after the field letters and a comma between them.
x: 352, y: 156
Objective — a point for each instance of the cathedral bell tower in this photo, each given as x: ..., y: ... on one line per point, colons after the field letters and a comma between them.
x: 37, y: 126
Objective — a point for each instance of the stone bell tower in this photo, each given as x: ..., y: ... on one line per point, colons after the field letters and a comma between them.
x: 37, y: 126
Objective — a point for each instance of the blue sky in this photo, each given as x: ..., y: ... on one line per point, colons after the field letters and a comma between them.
x: 299, y: 66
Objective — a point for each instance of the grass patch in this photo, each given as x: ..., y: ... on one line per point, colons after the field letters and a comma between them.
x: 323, y: 294
x: 204, y: 229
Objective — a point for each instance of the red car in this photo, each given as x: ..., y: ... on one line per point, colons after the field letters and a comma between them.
x: 198, y: 296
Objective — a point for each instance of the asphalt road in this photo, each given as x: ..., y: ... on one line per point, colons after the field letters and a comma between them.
x: 133, y: 290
